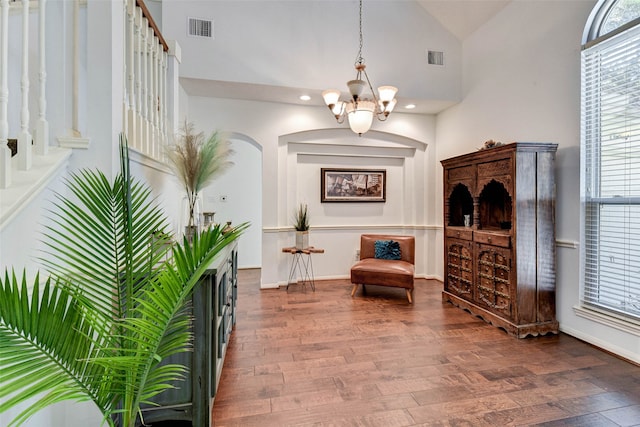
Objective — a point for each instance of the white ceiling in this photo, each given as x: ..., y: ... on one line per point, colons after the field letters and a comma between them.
x: 460, y: 17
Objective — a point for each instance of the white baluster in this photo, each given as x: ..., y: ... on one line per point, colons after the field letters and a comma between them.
x: 24, y: 138
x: 145, y: 79
x: 125, y: 68
x: 130, y: 67
x: 149, y: 60
x: 163, y: 105
x: 42, y: 126
x: 75, y: 117
x: 138, y: 77
x: 156, y: 98
x: 5, y: 152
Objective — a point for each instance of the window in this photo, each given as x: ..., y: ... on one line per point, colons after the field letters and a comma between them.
x: 610, y: 159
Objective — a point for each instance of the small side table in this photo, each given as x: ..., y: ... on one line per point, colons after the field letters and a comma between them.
x: 302, y: 265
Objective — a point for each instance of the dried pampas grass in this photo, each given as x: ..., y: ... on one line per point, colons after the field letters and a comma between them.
x: 196, y: 161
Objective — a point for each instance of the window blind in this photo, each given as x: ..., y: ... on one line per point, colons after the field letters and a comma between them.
x: 610, y: 174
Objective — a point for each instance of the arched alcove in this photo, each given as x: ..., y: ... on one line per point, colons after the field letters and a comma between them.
x: 495, y: 207
x: 336, y: 226
x: 460, y: 204
x: 236, y: 196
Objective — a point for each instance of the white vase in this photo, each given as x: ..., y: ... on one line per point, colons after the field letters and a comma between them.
x: 302, y: 239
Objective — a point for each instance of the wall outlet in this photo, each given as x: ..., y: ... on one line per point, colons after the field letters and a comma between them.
x: 357, y: 254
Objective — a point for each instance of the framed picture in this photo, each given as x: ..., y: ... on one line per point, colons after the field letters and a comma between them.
x: 353, y: 185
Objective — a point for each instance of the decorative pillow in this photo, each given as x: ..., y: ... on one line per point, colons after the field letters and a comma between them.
x: 387, y: 249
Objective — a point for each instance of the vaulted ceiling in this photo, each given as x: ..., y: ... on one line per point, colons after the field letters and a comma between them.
x: 288, y: 48
x: 462, y: 17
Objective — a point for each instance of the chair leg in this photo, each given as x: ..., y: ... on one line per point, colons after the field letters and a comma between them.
x: 409, y: 295
x: 354, y: 289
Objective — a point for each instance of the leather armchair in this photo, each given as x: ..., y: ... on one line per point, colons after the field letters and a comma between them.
x: 383, y: 272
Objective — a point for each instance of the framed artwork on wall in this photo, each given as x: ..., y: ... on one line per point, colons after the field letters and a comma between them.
x: 353, y: 185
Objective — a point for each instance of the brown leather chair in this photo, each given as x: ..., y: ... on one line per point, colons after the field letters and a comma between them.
x: 384, y: 272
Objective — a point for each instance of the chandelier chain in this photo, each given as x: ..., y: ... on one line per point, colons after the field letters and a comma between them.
x: 362, y: 107
x: 360, y: 59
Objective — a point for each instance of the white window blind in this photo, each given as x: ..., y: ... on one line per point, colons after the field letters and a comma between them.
x: 610, y: 184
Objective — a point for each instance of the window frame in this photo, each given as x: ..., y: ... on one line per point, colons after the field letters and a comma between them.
x: 591, y: 168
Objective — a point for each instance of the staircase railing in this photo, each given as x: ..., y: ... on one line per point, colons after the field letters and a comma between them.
x: 147, y: 69
x: 146, y: 64
x: 24, y: 136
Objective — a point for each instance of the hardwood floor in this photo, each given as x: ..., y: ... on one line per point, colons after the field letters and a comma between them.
x: 323, y: 358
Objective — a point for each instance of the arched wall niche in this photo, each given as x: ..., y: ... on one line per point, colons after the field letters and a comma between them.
x: 236, y: 195
x: 336, y: 226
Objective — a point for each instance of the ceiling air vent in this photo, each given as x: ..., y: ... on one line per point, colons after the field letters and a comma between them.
x: 435, y: 58
x: 200, y: 27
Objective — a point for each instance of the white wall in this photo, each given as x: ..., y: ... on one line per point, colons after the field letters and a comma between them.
x: 522, y: 83
x: 296, y: 142
x: 236, y: 196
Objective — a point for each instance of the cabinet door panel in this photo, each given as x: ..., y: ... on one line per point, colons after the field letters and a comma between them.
x: 495, y: 290
x: 459, y: 274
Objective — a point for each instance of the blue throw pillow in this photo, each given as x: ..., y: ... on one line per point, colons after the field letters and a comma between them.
x: 387, y: 249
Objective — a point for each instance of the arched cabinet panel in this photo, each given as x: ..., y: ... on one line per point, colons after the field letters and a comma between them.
x: 507, y: 196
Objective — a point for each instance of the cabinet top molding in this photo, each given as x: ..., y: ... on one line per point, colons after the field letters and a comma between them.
x: 479, y: 155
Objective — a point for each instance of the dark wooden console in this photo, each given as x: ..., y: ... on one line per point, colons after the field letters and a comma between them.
x: 213, y: 306
x: 501, y: 264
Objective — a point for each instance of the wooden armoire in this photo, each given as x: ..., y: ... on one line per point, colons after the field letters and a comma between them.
x: 499, y: 264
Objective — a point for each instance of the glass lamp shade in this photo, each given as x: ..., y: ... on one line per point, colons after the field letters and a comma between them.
x: 387, y: 93
x: 360, y: 118
x: 331, y: 96
x: 389, y: 107
x: 338, y: 109
x: 356, y: 87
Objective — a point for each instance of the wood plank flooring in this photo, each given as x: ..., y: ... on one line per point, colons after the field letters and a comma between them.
x: 323, y: 358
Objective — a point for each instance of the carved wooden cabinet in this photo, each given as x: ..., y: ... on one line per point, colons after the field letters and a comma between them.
x: 213, y: 307
x: 499, y: 236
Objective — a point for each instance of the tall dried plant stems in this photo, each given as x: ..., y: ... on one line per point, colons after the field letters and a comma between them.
x: 196, y: 161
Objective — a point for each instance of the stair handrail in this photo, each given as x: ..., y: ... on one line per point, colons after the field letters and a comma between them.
x: 145, y: 82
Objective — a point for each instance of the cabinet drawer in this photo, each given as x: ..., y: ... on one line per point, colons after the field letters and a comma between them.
x: 460, y: 233
x: 461, y: 173
x: 501, y: 240
x: 496, y: 167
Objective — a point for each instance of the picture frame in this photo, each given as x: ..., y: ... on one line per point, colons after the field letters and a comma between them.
x: 353, y: 185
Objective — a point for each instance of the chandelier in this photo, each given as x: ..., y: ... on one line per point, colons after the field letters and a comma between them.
x: 360, y: 110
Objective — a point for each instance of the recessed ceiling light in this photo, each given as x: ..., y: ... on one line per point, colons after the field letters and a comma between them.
x: 304, y: 97
x: 410, y: 106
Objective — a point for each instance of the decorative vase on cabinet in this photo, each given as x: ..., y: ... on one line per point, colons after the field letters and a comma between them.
x: 499, y: 237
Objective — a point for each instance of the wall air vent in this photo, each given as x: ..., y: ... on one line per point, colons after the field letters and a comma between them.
x: 200, y: 27
x: 435, y: 58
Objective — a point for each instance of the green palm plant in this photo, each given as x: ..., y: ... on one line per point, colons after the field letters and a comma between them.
x: 113, y: 307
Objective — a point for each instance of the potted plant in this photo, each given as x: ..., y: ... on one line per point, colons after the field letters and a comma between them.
x: 301, y: 224
x: 196, y: 161
x: 113, y: 307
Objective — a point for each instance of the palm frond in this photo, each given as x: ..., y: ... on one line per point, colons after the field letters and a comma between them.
x: 44, y: 344
x: 89, y: 243
x: 112, y: 310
